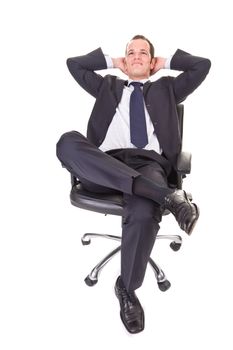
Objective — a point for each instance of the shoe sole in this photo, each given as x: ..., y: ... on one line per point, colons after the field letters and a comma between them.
x: 189, y: 232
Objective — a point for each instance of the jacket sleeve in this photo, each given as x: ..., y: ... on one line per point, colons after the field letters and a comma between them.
x: 83, y: 70
x: 194, y: 72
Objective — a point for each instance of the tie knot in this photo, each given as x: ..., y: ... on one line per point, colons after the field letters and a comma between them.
x: 136, y: 84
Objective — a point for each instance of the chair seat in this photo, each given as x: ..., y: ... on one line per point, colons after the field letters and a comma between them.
x: 103, y: 203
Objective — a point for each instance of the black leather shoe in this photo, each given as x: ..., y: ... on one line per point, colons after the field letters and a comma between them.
x: 185, y: 212
x: 132, y: 314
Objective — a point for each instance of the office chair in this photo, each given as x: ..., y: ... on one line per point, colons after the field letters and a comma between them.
x: 112, y: 204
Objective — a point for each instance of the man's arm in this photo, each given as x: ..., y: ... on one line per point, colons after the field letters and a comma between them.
x: 195, y: 70
x: 83, y: 70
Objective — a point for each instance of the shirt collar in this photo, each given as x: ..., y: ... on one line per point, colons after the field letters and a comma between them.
x: 143, y: 81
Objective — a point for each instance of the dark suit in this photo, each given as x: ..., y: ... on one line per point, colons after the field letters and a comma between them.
x: 117, y: 169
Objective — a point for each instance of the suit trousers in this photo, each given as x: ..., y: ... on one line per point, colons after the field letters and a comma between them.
x: 114, y: 171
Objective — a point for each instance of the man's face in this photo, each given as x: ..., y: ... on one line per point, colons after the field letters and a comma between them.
x: 138, y: 59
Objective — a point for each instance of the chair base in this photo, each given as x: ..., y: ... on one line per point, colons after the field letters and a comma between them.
x: 160, y: 276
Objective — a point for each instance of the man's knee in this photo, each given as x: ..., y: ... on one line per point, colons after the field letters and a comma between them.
x: 138, y: 209
x: 67, y: 143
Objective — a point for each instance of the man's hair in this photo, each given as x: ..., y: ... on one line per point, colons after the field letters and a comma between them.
x: 152, y: 50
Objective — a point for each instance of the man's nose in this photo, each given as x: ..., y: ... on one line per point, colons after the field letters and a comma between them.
x: 137, y: 55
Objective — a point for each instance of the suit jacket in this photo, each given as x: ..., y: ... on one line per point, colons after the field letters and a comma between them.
x: 161, y: 96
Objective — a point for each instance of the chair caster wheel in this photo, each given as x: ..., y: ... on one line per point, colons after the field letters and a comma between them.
x: 89, y: 282
x: 165, y: 285
x: 175, y: 246
x: 85, y: 242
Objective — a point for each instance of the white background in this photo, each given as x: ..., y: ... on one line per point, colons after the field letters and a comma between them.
x: 44, y: 303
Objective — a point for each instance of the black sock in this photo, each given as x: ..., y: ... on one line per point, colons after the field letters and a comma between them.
x: 144, y: 187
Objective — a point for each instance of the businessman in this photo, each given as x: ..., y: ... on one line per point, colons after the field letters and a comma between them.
x: 133, y: 140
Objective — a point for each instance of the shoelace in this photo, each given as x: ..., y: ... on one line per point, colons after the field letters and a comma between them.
x: 129, y: 297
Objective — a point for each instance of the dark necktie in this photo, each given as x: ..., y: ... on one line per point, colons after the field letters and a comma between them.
x: 138, y: 132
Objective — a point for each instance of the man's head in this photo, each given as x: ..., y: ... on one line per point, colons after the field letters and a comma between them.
x: 139, y: 58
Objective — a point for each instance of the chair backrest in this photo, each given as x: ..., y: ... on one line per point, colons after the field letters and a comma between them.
x: 175, y: 179
x: 180, y: 113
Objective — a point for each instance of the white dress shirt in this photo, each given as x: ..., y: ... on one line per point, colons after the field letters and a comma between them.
x: 118, y: 134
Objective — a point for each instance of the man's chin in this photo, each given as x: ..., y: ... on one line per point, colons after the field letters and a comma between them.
x: 138, y: 75
x: 137, y: 72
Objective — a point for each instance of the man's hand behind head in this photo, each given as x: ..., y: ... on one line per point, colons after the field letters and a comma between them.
x: 159, y: 63
x: 120, y: 63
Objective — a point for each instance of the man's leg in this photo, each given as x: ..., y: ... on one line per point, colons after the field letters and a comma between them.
x: 139, y: 230
x: 141, y: 219
x: 177, y: 201
x: 85, y: 161
x: 140, y: 226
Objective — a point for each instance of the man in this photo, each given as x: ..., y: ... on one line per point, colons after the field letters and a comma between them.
x: 133, y: 139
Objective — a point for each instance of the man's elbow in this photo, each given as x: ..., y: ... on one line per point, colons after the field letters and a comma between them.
x: 69, y: 63
x: 203, y: 68
x: 72, y: 66
x: 206, y: 65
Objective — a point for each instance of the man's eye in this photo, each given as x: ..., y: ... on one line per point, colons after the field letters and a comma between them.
x: 130, y: 53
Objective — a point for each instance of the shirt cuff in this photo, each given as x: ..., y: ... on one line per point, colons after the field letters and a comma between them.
x: 109, y: 62
x: 168, y: 62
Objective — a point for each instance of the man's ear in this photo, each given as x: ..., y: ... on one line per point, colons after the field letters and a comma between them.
x: 152, y: 64
x: 125, y: 67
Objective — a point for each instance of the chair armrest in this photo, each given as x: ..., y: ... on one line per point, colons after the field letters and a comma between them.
x: 184, y: 163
